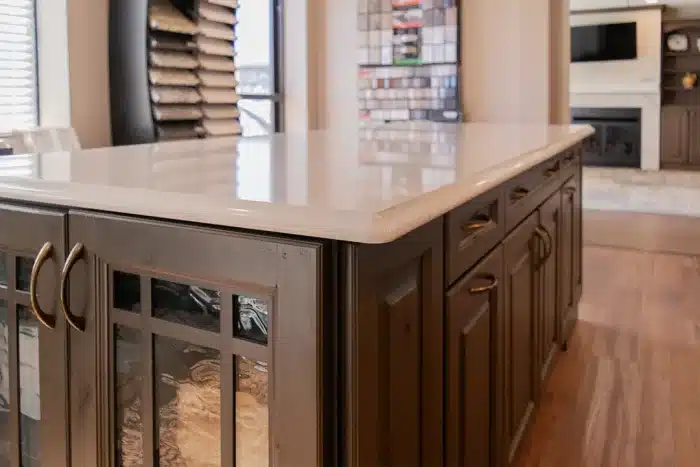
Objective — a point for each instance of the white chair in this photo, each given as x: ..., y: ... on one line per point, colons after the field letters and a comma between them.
x: 42, y: 140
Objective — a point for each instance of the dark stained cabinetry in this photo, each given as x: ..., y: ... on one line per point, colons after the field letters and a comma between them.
x: 474, y: 313
x: 394, y: 334
x: 188, y: 345
x: 570, y: 254
x: 520, y: 347
x: 33, y: 339
x: 680, y: 137
x: 549, y: 273
x: 504, y: 316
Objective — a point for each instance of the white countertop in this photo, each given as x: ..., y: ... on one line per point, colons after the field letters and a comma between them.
x: 361, y: 185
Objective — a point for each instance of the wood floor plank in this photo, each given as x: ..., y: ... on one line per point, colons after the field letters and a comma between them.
x: 627, y: 393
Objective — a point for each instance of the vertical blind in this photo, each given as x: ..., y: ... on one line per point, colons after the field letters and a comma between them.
x: 18, y: 89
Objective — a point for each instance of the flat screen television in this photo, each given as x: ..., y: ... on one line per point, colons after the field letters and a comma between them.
x: 604, y: 42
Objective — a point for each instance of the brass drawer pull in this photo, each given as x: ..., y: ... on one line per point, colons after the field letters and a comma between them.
x: 552, y: 170
x: 77, y: 322
x: 485, y: 288
x: 542, y: 233
x: 519, y: 193
x: 477, y: 222
x: 44, y: 318
x: 550, y: 244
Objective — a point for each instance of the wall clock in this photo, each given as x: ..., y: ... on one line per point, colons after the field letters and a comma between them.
x: 677, y: 42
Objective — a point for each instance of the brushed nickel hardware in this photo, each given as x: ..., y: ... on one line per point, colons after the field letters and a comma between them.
x: 76, y: 322
x: 44, y: 318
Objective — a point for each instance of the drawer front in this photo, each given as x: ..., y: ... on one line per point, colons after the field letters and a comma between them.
x: 569, y: 163
x: 472, y: 230
x: 526, y: 192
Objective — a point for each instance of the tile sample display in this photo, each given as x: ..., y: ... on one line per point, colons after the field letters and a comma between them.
x: 409, y: 60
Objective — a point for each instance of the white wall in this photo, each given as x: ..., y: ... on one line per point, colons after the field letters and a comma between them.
x: 645, y: 71
x: 506, y: 69
x: 73, y: 68
x: 682, y: 8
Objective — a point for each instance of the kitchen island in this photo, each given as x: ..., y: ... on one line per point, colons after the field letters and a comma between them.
x: 390, y: 296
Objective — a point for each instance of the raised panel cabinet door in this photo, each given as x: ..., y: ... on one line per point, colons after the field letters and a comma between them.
x: 521, y: 255
x: 578, y: 240
x: 567, y: 287
x: 33, y: 339
x: 694, y: 138
x: 193, y: 346
x: 394, y: 323
x: 674, y: 135
x: 548, y: 284
x: 474, y: 364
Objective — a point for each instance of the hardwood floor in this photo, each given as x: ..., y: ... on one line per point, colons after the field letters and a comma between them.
x: 627, y: 393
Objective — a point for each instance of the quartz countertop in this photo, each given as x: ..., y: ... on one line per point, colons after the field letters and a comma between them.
x: 365, y: 185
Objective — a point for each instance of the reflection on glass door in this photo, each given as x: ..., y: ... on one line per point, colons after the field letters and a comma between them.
x: 180, y: 393
x: 23, y: 330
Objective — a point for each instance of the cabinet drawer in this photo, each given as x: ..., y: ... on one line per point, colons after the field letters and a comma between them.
x: 472, y: 230
x: 569, y: 163
x: 526, y: 192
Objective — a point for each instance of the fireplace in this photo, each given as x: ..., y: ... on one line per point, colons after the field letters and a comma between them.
x: 617, y: 139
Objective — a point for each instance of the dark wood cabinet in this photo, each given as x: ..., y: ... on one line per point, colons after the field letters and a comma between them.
x: 521, y: 253
x: 33, y: 339
x: 162, y: 343
x: 394, y: 323
x: 570, y: 258
x: 474, y: 364
x: 680, y: 137
x: 694, y: 137
x: 193, y: 346
x: 549, y: 271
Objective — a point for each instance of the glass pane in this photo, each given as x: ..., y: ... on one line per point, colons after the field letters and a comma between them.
x: 4, y: 384
x: 188, y: 400
x: 254, y: 58
x: 127, y: 396
x: 257, y: 117
x: 127, y: 291
x: 3, y: 268
x: 252, y: 415
x: 252, y: 318
x: 24, y: 272
x: 186, y: 304
x: 29, y: 397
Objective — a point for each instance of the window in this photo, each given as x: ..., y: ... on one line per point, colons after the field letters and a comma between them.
x: 257, y: 65
x: 18, y: 89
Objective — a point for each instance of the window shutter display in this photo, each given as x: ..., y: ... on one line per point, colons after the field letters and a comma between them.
x: 18, y: 93
x: 189, y: 63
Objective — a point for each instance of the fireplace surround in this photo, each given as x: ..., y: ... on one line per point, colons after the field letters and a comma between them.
x: 617, y: 141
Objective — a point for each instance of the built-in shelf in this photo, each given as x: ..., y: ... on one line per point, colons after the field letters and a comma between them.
x: 689, y: 53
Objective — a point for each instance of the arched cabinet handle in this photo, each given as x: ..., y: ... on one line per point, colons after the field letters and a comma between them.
x: 77, y: 322
x: 485, y: 288
x: 542, y: 233
x: 44, y: 318
x: 550, y: 241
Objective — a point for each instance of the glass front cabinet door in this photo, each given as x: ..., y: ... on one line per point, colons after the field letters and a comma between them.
x: 191, y: 346
x: 33, y: 339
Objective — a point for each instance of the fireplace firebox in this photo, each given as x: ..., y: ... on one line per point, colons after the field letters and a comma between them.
x: 617, y: 139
